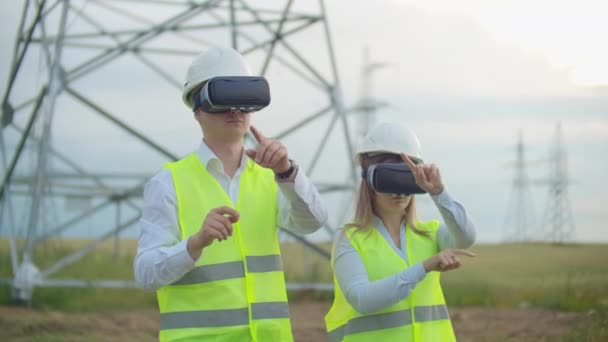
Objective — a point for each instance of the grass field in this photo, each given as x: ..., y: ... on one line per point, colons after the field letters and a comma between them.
x: 565, y: 277
x: 558, y: 277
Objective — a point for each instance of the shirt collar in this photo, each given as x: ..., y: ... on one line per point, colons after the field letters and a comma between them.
x: 209, y: 159
x: 380, y: 224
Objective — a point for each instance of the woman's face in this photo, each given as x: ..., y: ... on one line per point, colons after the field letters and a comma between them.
x: 388, y: 203
x: 391, y: 204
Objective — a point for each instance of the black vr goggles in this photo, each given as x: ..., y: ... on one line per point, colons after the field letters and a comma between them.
x: 226, y: 94
x: 391, y: 178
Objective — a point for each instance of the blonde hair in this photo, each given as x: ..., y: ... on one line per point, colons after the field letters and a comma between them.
x: 365, y: 212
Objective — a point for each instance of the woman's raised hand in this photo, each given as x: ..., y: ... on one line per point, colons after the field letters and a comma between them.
x: 427, y: 176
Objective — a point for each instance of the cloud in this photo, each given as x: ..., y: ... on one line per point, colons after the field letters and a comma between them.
x: 466, y: 92
x: 566, y: 33
x: 438, y: 54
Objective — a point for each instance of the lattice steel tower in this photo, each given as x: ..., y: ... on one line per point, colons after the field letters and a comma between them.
x: 558, y: 220
x: 520, y: 212
x: 65, y: 49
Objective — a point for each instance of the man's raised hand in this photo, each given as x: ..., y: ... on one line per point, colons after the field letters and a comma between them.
x: 270, y: 153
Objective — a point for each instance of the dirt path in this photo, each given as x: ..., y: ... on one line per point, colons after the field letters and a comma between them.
x: 471, y: 324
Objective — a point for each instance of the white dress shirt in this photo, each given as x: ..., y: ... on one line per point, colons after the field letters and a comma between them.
x: 162, y: 256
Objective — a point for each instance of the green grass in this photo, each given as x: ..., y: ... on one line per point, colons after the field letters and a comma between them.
x: 564, y: 277
x: 99, y: 264
x: 594, y: 329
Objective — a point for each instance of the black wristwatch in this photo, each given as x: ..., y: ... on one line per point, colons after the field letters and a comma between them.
x: 289, y: 171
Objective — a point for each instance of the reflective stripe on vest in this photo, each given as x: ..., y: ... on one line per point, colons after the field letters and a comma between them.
x: 388, y: 320
x: 421, y: 316
x: 220, y: 318
x: 236, y: 291
x: 231, y: 269
x: 431, y: 313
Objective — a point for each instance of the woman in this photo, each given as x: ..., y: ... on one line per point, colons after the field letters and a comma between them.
x: 386, y: 262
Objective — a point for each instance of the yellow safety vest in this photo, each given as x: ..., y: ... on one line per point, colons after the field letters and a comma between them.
x: 236, y: 291
x: 421, y: 316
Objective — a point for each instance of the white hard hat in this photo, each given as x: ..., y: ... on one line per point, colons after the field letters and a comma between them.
x: 217, y: 61
x: 390, y: 137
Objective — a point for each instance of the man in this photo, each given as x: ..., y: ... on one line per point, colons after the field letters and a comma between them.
x: 209, y: 242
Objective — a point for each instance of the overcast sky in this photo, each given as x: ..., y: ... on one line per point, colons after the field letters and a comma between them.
x: 466, y: 76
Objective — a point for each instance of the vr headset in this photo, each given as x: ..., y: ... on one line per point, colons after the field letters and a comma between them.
x: 226, y: 94
x: 391, y: 178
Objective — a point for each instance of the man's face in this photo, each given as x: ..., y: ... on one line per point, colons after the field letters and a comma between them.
x: 228, y: 127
